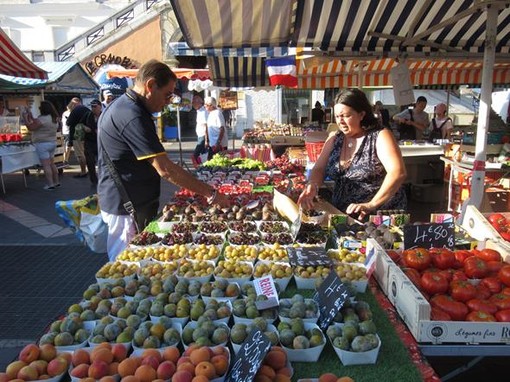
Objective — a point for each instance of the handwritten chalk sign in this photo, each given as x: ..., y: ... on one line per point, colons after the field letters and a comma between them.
x: 331, y: 296
x: 309, y: 256
x: 431, y: 235
x: 249, y: 358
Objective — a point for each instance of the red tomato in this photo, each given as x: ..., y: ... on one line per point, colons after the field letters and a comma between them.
x: 488, y: 254
x: 480, y: 316
x: 492, y: 283
x: 475, y: 267
x: 394, y: 255
x: 501, y: 300
x: 497, y: 218
x: 434, y: 283
x: 504, y: 275
x: 462, y: 254
x: 417, y: 258
x: 482, y: 306
x: 437, y: 314
x: 494, y: 266
x: 413, y: 275
x: 456, y: 309
x: 462, y: 290
x: 506, y: 291
x: 458, y: 275
x: 442, y: 258
x: 482, y: 292
x: 503, y: 315
x: 505, y: 235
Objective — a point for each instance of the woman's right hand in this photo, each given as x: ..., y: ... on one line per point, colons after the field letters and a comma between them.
x: 306, y: 199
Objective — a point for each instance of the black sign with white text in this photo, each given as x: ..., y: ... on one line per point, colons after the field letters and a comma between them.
x: 331, y: 296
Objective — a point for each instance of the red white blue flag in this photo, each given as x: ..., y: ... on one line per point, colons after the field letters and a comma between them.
x: 282, y: 71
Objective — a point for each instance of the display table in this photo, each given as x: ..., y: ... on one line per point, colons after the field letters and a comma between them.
x: 15, y: 158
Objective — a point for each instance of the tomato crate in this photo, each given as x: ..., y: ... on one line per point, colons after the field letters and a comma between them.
x: 383, y: 264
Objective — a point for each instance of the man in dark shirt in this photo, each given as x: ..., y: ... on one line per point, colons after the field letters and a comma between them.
x: 318, y: 113
x: 128, y: 136
x: 76, y: 138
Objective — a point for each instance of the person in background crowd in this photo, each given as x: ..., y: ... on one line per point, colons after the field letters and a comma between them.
x: 44, y: 137
x: 318, y: 113
x: 90, y: 139
x: 108, y: 97
x: 382, y: 114
x: 4, y: 112
x: 65, y: 127
x: 127, y: 135
x: 413, y: 122
x: 200, y: 129
x: 363, y: 159
x: 441, y: 126
x: 75, y: 121
x: 216, y: 138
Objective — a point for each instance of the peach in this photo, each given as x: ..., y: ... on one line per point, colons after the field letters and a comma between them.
x: 220, y: 350
x: 285, y: 371
x: 275, y: 359
x: 183, y: 359
x: 88, y: 379
x: 108, y: 378
x: 145, y: 373
x: 113, y: 368
x: 3, y: 377
x: 200, y: 378
x: 345, y: 379
x: 47, y: 352
x: 13, y: 368
x: 200, y: 355
x: 205, y: 368
x: 220, y: 363
x: 127, y: 367
x: 66, y: 357
x: 166, y: 369
x: 267, y: 371
x: 281, y: 378
x: 262, y: 378
x: 130, y: 378
x: 104, y: 345
x: 98, y: 369
x: 119, y: 352
x: 40, y: 365
x: 151, y: 361
x: 80, y: 356
x: 57, y: 366
x: 182, y: 376
x: 190, y: 349
x: 171, y: 353
x: 152, y: 352
x: 101, y: 354
x: 328, y: 377
x: 28, y: 373
x: 29, y: 353
x: 44, y: 377
x: 188, y: 366
x: 80, y: 371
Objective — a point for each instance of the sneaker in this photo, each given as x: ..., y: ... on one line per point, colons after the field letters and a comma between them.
x: 57, y: 185
x: 48, y: 188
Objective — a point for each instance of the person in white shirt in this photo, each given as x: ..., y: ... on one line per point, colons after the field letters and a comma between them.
x: 216, y: 139
x: 441, y: 125
x: 200, y: 129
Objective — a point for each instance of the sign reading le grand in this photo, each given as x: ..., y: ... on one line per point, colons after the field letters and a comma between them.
x: 106, y: 59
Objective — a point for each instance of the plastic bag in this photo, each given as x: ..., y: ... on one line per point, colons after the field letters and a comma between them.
x: 94, y: 230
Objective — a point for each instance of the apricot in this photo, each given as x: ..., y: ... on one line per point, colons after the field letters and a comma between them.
x: 127, y: 367
x: 183, y: 359
x: 281, y: 378
x: 182, y: 376
x: 47, y: 352
x: 171, y: 353
x: 166, y: 369
x: 205, y: 368
x: 220, y: 363
x: 200, y: 355
x: 29, y: 353
x: 119, y: 352
x: 79, y: 357
x: 190, y: 348
x: 13, y: 368
x: 105, y: 345
x: 130, y: 378
x: 98, y: 369
x: 101, y: 354
x: 3, y: 377
x: 200, y: 378
x: 57, y: 366
x: 108, y: 378
x: 276, y: 359
x: 345, y: 379
x: 151, y: 361
x: 80, y: 371
x: 152, y: 352
x: 40, y: 365
x: 285, y: 371
x: 145, y: 373
x: 262, y: 378
x: 220, y: 350
x: 113, y: 368
x: 328, y: 377
x: 267, y: 371
x: 66, y: 357
x: 187, y: 366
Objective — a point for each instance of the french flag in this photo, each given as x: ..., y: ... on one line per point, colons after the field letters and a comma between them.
x: 282, y: 71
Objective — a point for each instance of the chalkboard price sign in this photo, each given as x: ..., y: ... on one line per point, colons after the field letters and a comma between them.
x: 249, y: 358
x: 433, y: 235
x: 331, y: 296
x: 309, y: 256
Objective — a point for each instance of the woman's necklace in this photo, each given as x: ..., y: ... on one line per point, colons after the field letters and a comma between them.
x: 350, y: 144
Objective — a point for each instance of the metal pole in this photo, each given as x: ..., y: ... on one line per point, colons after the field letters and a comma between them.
x: 478, y: 179
x: 179, y: 133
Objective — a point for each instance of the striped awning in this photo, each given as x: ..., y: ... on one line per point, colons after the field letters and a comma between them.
x: 238, y: 72
x: 348, y: 73
x: 14, y: 63
x: 183, y: 49
x: 347, y: 28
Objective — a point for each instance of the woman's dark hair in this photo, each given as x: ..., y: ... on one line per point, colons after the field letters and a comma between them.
x: 157, y: 70
x: 357, y: 99
x: 47, y: 108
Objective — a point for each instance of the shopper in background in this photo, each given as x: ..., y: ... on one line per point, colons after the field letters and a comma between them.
x: 44, y: 137
x: 441, y: 125
x: 4, y: 112
x: 318, y: 113
x: 108, y: 97
x: 76, y: 123
x: 413, y: 122
x: 65, y: 127
x: 362, y: 158
x: 90, y: 139
x: 382, y: 114
x: 216, y: 139
x: 200, y: 129
x: 126, y: 134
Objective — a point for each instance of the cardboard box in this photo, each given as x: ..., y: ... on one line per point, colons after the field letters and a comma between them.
x: 477, y: 226
x: 383, y: 264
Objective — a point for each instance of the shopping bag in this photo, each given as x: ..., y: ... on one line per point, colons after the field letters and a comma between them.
x: 94, y: 230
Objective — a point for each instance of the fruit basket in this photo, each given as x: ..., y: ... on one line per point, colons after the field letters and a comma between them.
x: 298, y: 307
x: 220, y: 290
x: 232, y: 271
x: 143, y: 239
x: 241, y: 253
x: 281, y: 238
x: 218, y: 311
x: 160, y: 338
x: 200, y: 271
x: 164, y: 254
x: 242, y: 238
x: 349, y: 357
x: 214, y: 227
x: 176, y: 238
x: 206, y: 333
x: 275, y: 252
x: 307, y: 277
x: 239, y: 332
x: 112, y: 271
x: 304, y: 347
x: 280, y: 271
x: 274, y: 227
x: 242, y: 226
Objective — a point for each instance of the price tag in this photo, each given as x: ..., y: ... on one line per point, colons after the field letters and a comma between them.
x: 432, y: 235
x: 249, y: 358
x: 309, y: 256
x: 330, y: 296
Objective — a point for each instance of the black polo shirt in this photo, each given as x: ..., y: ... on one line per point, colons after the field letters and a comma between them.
x: 127, y: 132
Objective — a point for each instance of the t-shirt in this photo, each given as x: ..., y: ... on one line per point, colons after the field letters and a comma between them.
x: 201, y: 122
x: 65, y: 126
x: 215, y: 120
x: 127, y: 132
x: 420, y: 117
x: 47, y: 132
